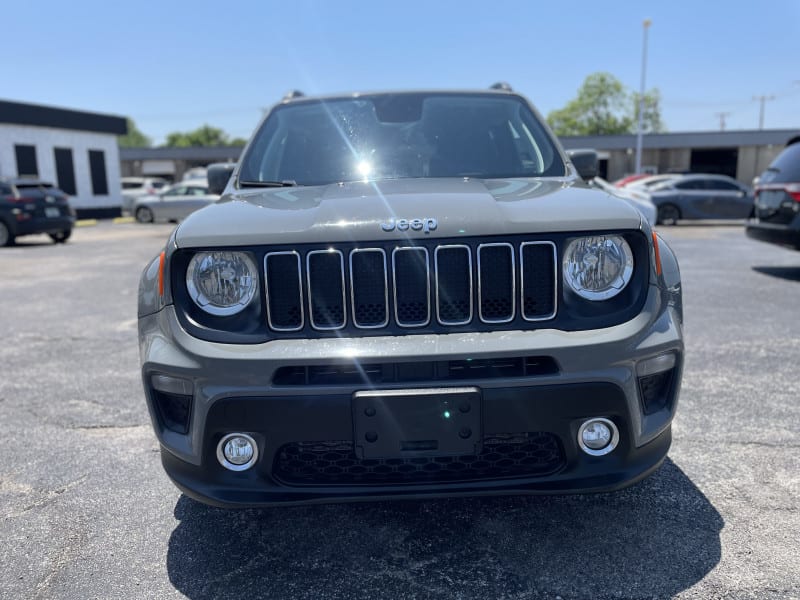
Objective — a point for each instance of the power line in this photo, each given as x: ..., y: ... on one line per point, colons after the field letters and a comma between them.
x: 722, y: 116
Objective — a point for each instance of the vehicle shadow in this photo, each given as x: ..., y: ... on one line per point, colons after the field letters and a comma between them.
x: 790, y: 273
x: 32, y: 243
x: 654, y: 539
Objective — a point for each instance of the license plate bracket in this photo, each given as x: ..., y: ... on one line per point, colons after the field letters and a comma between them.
x: 417, y: 422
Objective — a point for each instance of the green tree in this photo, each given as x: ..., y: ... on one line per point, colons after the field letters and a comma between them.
x: 134, y: 138
x: 651, y: 115
x: 604, y: 107
x: 202, y: 136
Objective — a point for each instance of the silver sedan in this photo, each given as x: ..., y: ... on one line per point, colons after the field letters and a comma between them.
x: 701, y: 197
x: 174, y: 203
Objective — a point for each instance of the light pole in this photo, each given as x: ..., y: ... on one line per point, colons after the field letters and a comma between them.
x: 645, y: 25
x: 762, y: 99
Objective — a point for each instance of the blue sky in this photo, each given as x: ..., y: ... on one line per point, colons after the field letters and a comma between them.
x: 176, y: 65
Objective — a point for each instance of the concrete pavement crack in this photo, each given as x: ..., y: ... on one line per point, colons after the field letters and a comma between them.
x: 49, y: 497
x: 735, y: 443
x: 105, y: 426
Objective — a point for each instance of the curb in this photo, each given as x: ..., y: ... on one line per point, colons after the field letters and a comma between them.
x: 93, y: 222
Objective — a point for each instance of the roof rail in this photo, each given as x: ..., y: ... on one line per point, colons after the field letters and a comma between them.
x: 501, y: 85
x: 292, y: 94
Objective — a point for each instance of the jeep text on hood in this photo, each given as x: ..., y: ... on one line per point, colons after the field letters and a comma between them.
x: 358, y: 211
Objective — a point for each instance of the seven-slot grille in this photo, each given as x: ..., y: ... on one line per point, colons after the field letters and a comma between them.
x: 410, y: 286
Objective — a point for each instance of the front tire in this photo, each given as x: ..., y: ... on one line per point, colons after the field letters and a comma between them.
x: 144, y: 215
x: 60, y: 237
x: 668, y: 214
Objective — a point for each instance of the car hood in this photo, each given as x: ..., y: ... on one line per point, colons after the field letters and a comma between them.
x: 347, y: 212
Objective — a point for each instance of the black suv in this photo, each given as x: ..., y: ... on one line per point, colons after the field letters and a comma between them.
x: 30, y: 206
x: 777, y: 200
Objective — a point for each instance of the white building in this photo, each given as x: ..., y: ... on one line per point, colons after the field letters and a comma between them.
x: 75, y: 150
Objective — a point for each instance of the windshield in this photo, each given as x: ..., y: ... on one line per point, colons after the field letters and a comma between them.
x: 392, y: 136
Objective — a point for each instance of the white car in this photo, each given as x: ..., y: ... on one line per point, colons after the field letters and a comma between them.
x: 136, y: 187
x: 646, y: 184
x: 175, y: 202
x: 195, y: 173
x: 637, y: 197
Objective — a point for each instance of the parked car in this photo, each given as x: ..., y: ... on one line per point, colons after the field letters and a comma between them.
x: 630, y: 179
x: 195, y: 173
x: 29, y: 206
x: 701, y: 197
x: 174, y: 203
x: 777, y: 200
x: 649, y: 182
x: 136, y: 187
x: 640, y: 200
x: 409, y: 295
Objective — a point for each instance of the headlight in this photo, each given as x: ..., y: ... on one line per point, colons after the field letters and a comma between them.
x: 221, y: 283
x: 598, y: 267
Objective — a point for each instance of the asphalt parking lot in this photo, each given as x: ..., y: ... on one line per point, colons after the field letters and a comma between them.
x: 86, y: 511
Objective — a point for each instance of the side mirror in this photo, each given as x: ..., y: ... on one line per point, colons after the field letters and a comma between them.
x: 585, y: 162
x: 218, y: 175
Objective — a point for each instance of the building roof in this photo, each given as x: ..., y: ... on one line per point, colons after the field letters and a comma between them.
x: 689, y: 139
x: 19, y: 113
x: 198, y: 153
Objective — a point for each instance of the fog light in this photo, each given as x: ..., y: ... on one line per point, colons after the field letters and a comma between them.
x: 598, y: 436
x: 237, y: 452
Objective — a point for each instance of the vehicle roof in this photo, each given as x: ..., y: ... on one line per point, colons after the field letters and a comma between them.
x: 197, y: 182
x: 136, y: 179
x: 346, y: 96
x: 705, y: 176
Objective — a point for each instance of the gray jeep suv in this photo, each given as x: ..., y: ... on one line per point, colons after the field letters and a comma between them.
x: 409, y: 295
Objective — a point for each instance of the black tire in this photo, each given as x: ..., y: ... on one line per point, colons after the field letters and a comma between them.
x: 6, y: 237
x: 61, y: 236
x: 668, y: 214
x: 144, y: 215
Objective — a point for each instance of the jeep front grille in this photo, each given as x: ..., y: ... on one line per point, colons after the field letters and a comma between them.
x: 411, y: 286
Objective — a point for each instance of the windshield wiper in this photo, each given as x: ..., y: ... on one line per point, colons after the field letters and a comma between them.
x: 284, y: 183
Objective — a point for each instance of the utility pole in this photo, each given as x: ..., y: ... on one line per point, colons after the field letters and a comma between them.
x: 762, y: 99
x: 721, y: 116
x: 646, y: 25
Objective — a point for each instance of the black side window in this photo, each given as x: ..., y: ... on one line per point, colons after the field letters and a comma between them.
x: 97, y: 167
x: 721, y: 184
x: 26, y: 161
x: 691, y: 184
x: 65, y: 171
x: 5, y: 190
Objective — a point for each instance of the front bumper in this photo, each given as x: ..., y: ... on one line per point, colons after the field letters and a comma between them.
x: 231, y: 388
